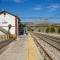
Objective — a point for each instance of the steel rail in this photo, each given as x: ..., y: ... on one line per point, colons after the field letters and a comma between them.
x: 42, y: 50
x: 56, y: 39
x: 46, y: 41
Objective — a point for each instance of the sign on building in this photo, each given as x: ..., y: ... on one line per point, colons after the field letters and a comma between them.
x: 7, y: 19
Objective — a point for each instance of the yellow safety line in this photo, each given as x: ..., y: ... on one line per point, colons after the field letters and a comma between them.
x: 27, y: 54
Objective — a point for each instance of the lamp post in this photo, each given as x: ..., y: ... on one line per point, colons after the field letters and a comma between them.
x: 9, y: 27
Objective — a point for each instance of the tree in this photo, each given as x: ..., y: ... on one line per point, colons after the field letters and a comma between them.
x: 23, y: 25
x: 52, y: 29
x: 29, y: 29
x: 47, y: 30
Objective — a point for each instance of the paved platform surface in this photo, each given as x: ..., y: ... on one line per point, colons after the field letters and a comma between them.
x: 16, y: 50
x: 32, y: 50
x: 23, y: 48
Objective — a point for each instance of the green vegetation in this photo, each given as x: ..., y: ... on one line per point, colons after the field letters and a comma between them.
x: 30, y: 29
x: 47, y: 30
x: 24, y: 25
x: 52, y: 29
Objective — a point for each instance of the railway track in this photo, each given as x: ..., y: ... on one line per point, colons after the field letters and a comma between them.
x: 4, y: 43
x: 56, y: 39
x: 50, y: 41
x: 42, y: 51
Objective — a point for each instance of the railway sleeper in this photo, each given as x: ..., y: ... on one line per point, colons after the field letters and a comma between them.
x: 41, y: 49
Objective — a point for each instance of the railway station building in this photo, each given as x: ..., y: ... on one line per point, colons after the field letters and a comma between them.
x: 9, y: 23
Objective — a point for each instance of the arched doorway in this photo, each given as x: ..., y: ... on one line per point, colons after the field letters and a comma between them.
x: 58, y: 30
x: 39, y: 30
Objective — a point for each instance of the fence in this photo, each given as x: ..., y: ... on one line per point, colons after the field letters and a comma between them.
x: 7, y: 37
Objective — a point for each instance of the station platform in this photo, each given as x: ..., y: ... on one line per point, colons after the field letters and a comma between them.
x: 23, y: 48
x: 32, y: 50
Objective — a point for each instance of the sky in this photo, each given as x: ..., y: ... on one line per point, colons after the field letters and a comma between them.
x: 46, y: 9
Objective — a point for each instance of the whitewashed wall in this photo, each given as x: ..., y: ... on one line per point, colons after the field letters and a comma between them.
x: 9, y: 19
x: 1, y: 33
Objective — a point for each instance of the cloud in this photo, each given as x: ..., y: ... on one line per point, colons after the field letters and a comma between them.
x: 49, y: 8
x: 53, y: 7
x: 37, y: 8
x: 17, y: 1
x: 6, y: 0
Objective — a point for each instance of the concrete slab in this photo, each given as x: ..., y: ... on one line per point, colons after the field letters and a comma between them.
x: 32, y: 50
x: 16, y: 50
x: 23, y: 48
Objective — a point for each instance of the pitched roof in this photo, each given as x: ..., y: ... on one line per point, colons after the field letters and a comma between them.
x: 4, y: 11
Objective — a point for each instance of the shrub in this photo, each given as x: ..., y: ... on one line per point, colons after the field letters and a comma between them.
x: 47, y: 30
x: 52, y: 29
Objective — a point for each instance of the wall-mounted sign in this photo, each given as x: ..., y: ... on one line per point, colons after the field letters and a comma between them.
x: 7, y: 19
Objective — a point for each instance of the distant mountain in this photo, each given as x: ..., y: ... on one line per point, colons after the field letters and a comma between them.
x: 28, y: 23
x: 40, y: 23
